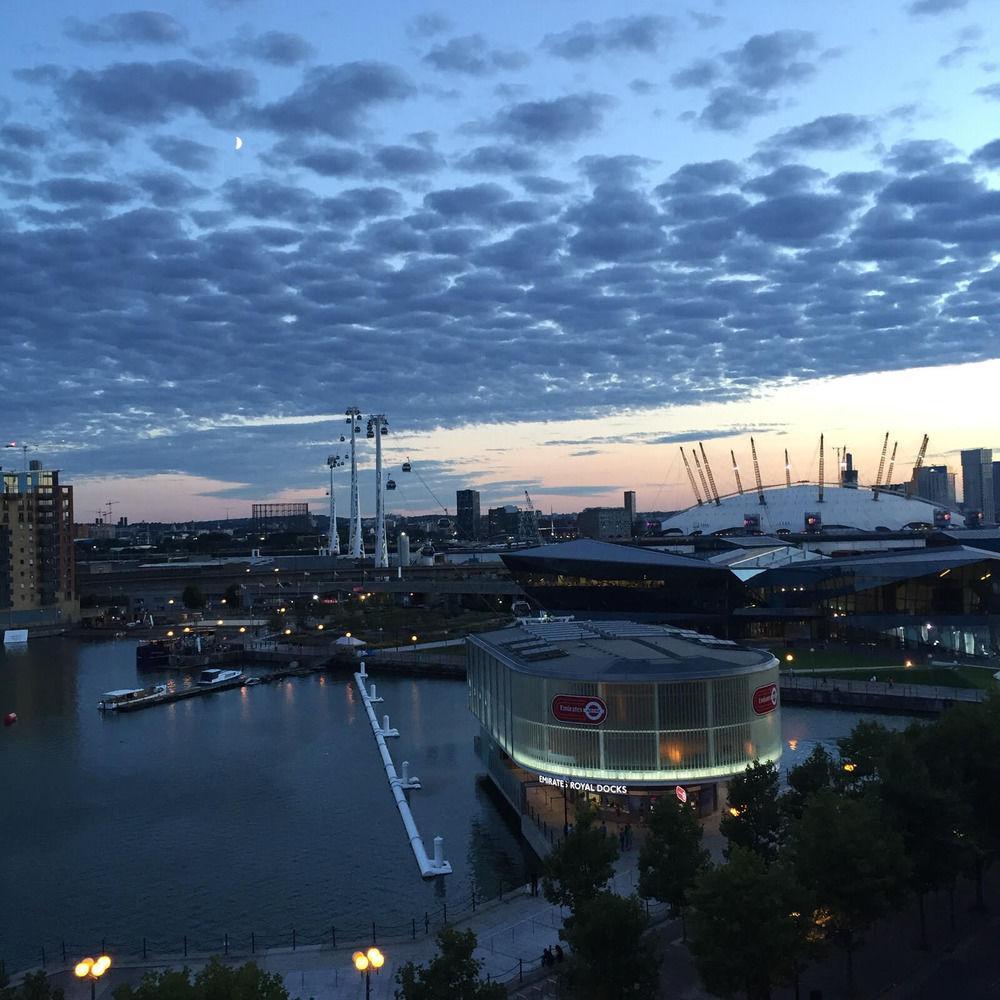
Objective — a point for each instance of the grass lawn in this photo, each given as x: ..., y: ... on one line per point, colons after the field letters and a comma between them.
x: 959, y: 677
x: 833, y: 659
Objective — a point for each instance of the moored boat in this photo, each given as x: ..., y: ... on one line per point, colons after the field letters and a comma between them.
x: 215, y: 677
x: 113, y: 700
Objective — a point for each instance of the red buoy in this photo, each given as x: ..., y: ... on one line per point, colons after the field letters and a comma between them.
x: 10, y: 718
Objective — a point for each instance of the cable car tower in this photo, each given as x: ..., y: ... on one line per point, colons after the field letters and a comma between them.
x: 378, y: 424
x: 354, y: 544
x: 333, y: 537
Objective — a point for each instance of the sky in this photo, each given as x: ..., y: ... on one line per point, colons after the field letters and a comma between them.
x: 551, y: 242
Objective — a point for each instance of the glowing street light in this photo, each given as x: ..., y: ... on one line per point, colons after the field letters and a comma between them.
x: 92, y: 969
x: 789, y: 657
x: 413, y: 638
x: 364, y: 962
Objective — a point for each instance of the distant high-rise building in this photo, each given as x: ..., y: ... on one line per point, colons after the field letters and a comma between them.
x: 996, y: 491
x: 630, y: 508
x: 977, y: 482
x: 604, y: 523
x: 937, y: 484
x: 467, y: 519
x: 37, y: 569
x: 504, y: 522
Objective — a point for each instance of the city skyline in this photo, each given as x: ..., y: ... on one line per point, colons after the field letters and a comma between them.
x: 571, y: 241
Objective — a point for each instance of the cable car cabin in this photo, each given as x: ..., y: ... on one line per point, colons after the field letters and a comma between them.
x: 406, y: 467
x: 390, y: 484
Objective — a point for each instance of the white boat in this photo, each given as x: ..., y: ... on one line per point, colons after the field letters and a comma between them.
x: 112, y: 700
x: 214, y: 677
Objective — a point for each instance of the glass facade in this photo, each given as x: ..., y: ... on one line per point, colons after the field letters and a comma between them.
x: 658, y: 733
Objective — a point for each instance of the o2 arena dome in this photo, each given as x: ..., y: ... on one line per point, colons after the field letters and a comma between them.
x: 807, y: 507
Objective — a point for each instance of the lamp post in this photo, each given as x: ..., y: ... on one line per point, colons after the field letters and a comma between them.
x: 364, y: 962
x: 92, y: 969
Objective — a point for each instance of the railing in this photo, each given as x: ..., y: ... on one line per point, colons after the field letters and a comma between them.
x: 882, y: 688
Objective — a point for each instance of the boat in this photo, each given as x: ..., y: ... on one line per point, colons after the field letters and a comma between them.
x: 113, y: 700
x: 251, y: 681
x: 214, y: 677
x: 153, y: 654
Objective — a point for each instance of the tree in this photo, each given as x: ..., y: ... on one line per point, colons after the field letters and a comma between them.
x: 816, y: 772
x: 611, y: 959
x: 925, y: 814
x: 578, y: 868
x: 750, y: 926
x: 192, y: 597
x: 233, y: 596
x: 34, y: 987
x: 215, y: 981
x: 452, y: 974
x: 863, y: 751
x: 672, y: 856
x: 753, y: 817
x: 853, y: 864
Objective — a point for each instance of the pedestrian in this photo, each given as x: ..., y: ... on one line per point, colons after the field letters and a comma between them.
x: 559, y: 953
x: 547, y: 959
x: 628, y: 836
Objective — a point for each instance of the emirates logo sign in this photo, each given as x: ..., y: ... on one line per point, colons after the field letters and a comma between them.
x: 765, y: 699
x: 579, y: 709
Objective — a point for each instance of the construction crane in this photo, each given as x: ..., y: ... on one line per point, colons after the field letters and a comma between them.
x: 694, y: 485
x: 736, y: 472
x: 756, y: 474
x: 881, y: 466
x: 788, y: 470
x: 110, y: 504
x: 892, y: 462
x: 701, y: 475
x: 530, y: 521
x: 911, y: 486
x: 819, y: 499
x: 711, y: 478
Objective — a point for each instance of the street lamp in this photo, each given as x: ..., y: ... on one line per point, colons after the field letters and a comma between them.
x: 92, y: 970
x: 364, y: 962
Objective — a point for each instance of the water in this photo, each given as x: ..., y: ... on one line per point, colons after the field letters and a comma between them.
x: 262, y: 809
x: 259, y: 809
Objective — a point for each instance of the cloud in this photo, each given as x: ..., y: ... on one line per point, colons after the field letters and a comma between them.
x: 428, y: 24
x: 924, y: 8
x: 730, y: 109
x: 279, y: 48
x: 184, y: 153
x: 988, y: 155
x: 991, y: 92
x: 765, y: 62
x: 561, y: 119
x: 408, y: 160
x: 334, y: 100
x: 700, y: 73
x: 498, y: 159
x: 137, y: 27
x: 334, y: 161
x: 69, y: 190
x: 23, y: 136
x: 644, y: 34
x: 835, y: 132
x: 472, y: 56
x: 152, y: 93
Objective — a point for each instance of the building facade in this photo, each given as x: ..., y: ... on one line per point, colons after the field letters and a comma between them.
x: 467, y: 514
x: 977, y: 482
x: 619, y: 708
x: 37, y: 570
x: 604, y: 523
x: 937, y: 484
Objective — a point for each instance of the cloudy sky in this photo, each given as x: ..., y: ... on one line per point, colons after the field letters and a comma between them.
x: 551, y: 244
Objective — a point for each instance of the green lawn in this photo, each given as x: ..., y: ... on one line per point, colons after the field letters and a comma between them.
x: 959, y: 677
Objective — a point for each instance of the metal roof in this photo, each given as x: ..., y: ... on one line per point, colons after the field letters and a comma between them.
x: 621, y: 651
x: 592, y: 551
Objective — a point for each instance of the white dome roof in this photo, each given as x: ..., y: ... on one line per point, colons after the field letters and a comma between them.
x: 787, y: 506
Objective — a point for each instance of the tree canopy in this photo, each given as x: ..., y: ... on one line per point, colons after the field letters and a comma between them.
x: 216, y: 981
x: 672, y: 855
x: 752, y: 818
x: 452, y: 974
x: 578, y: 868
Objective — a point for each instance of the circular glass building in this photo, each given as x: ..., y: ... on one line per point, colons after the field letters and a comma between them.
x: 619, y: 707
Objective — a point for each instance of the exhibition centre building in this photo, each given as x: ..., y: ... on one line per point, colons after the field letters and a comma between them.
x: 620, y: 708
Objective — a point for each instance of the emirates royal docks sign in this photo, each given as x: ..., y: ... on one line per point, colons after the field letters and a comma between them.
x: 583, y: 710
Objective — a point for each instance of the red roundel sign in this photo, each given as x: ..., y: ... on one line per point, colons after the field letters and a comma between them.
x: 765, y: 699
x: 581, y: 709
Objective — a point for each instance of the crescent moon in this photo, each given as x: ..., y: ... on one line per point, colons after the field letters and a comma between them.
x: 239, y: 143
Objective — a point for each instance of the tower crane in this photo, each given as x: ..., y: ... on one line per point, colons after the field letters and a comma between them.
x: 761, y: 499
x: 736, y: 472
x: 711, y: 478
x: 694, y: 485
x: 911, y: 486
